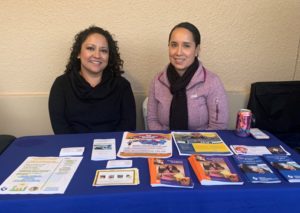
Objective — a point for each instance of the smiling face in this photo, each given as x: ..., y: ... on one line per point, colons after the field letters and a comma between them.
x: 182, y: 49
x: 94, y: 55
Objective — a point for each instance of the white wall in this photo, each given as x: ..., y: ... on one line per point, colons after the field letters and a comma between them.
x: 242, y: 41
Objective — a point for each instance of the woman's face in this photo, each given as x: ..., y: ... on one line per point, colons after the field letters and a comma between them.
x: 94, y: 54
x: 182, y: 49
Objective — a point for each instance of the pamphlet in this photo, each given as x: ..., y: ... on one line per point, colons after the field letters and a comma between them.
x: 214, y: 170
x: 258, y: 150
x: 255, y: 169
x: 71, y: 151
x: 104, y: 149
x: 145, y: 145
x: 116, y: 177
x: 249, y: 150
x: 169, y: 173
x: 204, y: 143
x: 286, y: 166
x: 41, y: 175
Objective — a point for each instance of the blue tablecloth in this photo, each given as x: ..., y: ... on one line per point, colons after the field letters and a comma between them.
x: 81, y: 196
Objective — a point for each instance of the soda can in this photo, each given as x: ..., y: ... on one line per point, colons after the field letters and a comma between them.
x: 243, y: 122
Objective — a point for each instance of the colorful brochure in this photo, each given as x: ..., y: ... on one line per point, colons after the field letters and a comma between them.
x: 214, y: 170
x: 116, y: 177
x: 169, y: 173
x: 204, y: 143
x: 286, y: 166
x: 145, y: 145
x: 255, y: 169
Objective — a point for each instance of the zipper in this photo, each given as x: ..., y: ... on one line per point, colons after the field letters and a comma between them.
x: 217, y: 109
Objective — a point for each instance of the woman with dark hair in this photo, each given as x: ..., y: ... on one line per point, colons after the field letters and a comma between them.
x: 92, y: 96
x: 185, y: 95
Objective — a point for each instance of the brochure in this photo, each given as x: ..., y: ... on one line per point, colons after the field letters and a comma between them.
x: 204, y: 143
x: 286, y: 166
x: 169, y: 173
x: 249, y: 150
x: 41, y: 175
x: 116, y: 177
x: 258, y: 150
x: 104, y: 149
x: 255, y: 169
x: 145, y: 145
x: 214, y: 170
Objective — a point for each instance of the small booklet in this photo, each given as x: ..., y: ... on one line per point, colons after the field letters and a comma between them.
x: 255, y: 169
x: 286, y: 166
x: 214, y: 170
x: 204, y: 143
x: 116, y: 177
x: 104, y: 149
x: 258, y: 150
x: 169, y: 173
x: 71, y: 151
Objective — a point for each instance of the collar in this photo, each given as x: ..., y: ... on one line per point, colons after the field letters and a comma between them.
x: 199, y: 77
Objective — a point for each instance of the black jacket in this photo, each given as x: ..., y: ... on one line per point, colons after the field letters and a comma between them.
x: 76, y: 107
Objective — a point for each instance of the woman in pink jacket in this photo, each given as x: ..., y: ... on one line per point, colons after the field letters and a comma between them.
x: 185, y: 95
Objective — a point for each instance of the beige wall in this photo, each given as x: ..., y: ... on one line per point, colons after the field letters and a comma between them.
x: 243, y: 41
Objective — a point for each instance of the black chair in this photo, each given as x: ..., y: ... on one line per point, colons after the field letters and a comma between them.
x: 276, y: 108
x: 5, y: 141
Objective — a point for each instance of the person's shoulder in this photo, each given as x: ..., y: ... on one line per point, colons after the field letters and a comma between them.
x: 210, y: 73
x: 160, y: 77
x: 122, y: 82
x: 60, y: 81
x: 61, y: 78
x: 212, y: 76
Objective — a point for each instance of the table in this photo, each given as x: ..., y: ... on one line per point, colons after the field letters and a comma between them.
x: 81, y: 196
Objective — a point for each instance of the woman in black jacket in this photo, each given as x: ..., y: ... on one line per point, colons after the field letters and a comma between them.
x: 92, y: 96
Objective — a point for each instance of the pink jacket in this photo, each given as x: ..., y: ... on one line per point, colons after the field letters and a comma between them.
x: 206, y: 98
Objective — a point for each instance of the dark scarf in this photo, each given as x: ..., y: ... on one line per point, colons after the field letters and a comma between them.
x: 84, y: 91
x: 178, y: 119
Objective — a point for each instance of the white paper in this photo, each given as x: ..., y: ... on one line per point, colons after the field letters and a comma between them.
x: 41, y: 175
x: 71, y: 151
x: 250, y: 150
x: 119, y: 164
x: 104, y: 149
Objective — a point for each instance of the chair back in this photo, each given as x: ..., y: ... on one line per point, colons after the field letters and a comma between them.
x: 276, y: 108
x: 145, y: 102
x: 5, y: 141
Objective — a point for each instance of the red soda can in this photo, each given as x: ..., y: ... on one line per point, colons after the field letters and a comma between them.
x: 243, y: 122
